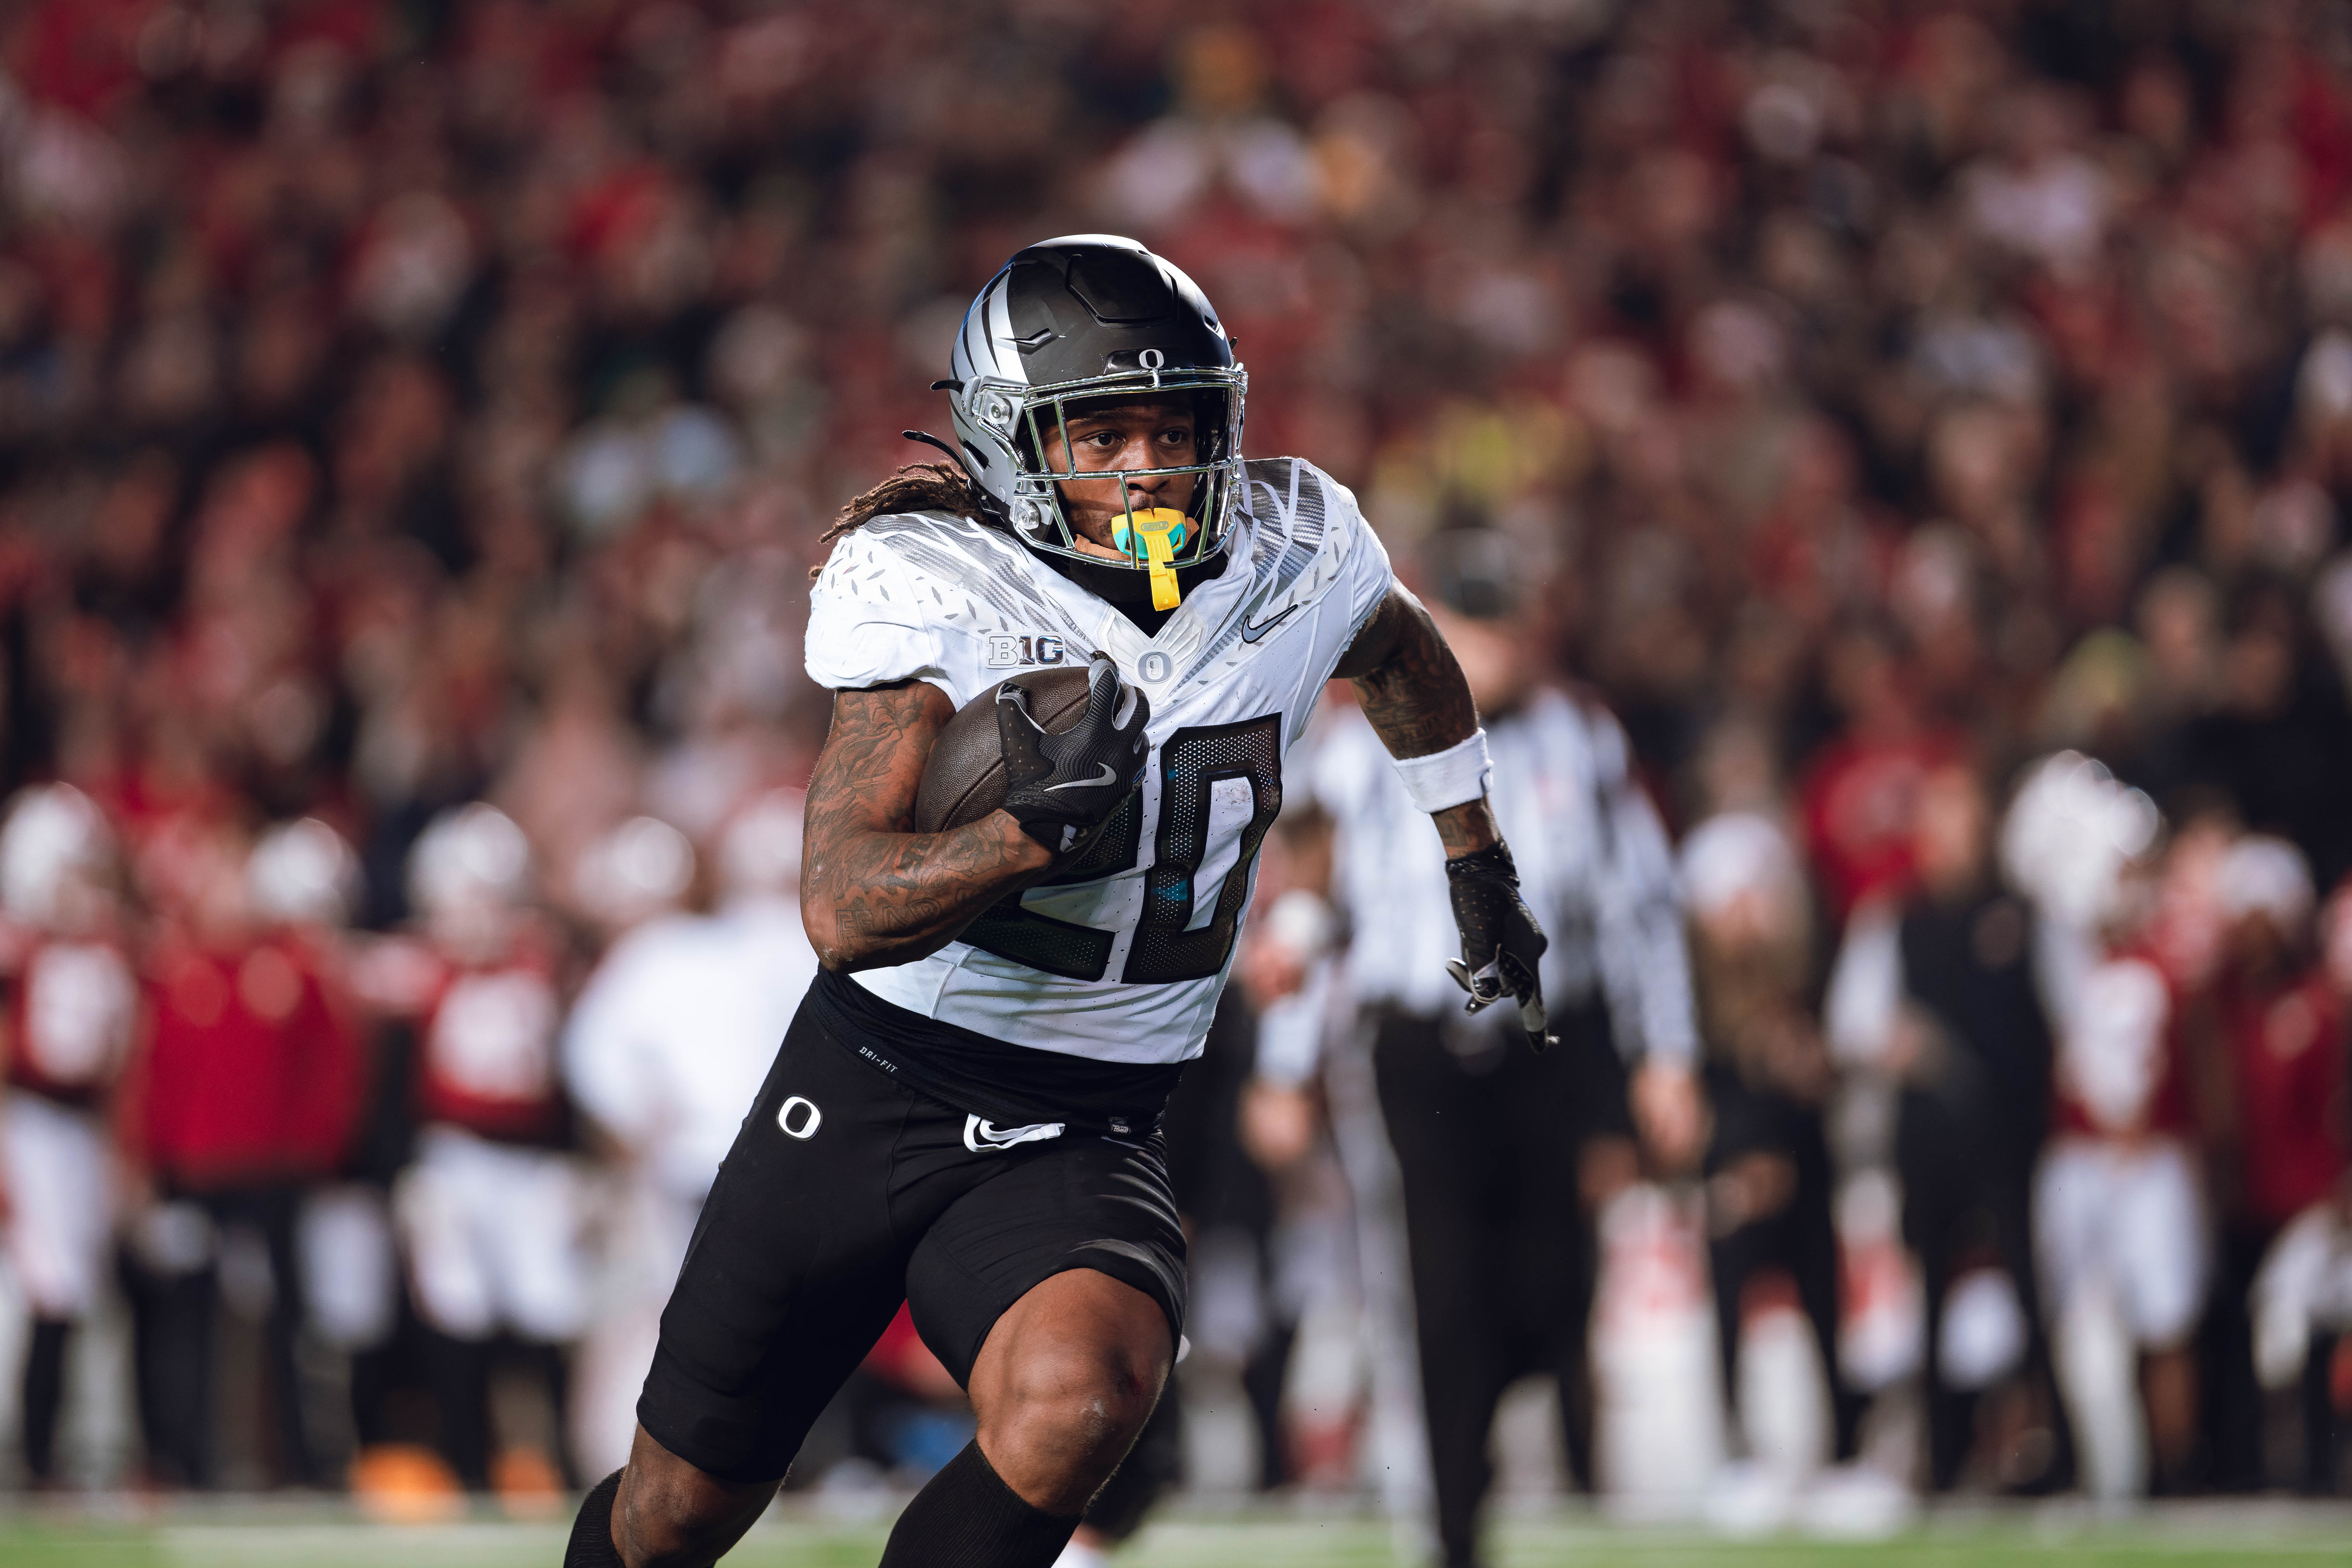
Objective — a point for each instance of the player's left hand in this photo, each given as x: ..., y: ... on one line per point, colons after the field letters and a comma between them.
x: 1500, y: 939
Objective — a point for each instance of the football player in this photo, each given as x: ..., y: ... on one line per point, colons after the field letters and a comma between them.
x: 964, y: 1112
x: 242, y: 1100
x: 491, y: 1211
x: 72, y: 1017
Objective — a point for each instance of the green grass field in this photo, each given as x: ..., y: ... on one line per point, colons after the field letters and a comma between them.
x: 2192, y: 1538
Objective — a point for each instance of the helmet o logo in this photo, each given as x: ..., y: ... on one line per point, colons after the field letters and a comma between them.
x: 811, y: 1118
x: 1151, y: 359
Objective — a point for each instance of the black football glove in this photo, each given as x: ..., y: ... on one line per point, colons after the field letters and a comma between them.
x: 1063, y: 788
x: 1500, y: 939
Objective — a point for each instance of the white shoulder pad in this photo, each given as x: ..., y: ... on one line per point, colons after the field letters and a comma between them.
x: 911, y: 597
x: 1311, y: 539
x: 867, y: 626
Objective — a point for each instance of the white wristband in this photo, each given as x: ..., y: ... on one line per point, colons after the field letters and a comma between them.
x: 1449, y: 777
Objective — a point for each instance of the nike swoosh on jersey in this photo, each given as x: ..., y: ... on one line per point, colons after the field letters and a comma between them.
x: 1110, y: 775
x: 1251, y: 633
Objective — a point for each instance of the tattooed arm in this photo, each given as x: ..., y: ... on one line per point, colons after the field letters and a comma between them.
x: 872, y: 892
x: 1412, y: 692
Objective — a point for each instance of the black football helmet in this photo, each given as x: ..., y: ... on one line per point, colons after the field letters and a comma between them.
x: 1091, y: 317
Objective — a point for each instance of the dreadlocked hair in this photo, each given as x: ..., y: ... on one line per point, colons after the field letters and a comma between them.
x: 917, y: 487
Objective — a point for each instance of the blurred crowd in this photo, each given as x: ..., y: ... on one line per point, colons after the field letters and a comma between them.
x: 417, y: 417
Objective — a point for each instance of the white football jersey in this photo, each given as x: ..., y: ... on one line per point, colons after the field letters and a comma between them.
x: 1121, y: 956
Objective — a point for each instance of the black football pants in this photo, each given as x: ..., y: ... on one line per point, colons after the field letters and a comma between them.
x: 1487, y: 1145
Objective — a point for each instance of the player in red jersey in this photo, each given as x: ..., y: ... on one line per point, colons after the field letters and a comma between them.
x: 73, y: 1014
x: 491, y: 1211
x: 246, y: 1096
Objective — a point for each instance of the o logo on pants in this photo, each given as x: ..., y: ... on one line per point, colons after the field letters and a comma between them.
x: 809, y: 1123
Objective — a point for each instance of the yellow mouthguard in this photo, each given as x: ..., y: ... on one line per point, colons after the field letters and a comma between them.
x: 1161, y: 529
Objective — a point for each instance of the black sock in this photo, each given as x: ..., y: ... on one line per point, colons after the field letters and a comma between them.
x: 968, y: 1518
x: 45, y: 1394
x: 591, y: 1545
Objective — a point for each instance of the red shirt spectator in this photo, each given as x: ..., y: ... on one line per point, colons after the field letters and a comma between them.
x: 2286, y: 1058
x: 251, y: 1075
x: 1860, y: 798
x: 1859, y: 801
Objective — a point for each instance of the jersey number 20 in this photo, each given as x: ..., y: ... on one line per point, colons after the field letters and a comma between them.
x: 1167, y: 944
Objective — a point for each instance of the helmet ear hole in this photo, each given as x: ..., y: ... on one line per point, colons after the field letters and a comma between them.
x: 1209, y: 425
x: 1024, y: 443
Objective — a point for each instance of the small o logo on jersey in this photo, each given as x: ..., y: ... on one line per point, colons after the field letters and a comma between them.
x: 1154, y: 666
x: 811, y: 1118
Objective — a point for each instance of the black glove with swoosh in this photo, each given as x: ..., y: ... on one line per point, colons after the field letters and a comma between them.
x: 1062, y: 788
x: 1500, y: 939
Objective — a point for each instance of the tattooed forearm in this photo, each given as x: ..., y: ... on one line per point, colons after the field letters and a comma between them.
x: 1467, y: 828
x: 1412, y: 690
x: 1406, y: 677
x: 872, y: 892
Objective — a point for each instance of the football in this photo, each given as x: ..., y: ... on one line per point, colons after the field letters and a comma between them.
x: 964, y: 779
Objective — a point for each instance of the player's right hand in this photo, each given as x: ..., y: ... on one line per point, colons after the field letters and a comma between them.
x: 1062, y: 788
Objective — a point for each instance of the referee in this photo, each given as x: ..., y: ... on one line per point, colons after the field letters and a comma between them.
x: 1505, y: 1155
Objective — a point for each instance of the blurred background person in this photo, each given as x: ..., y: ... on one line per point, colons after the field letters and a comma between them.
x: 492, y: 1209
x: 2122, y: 1229
x: 2301, y: 1301
x: 1505, y: 1155
x: 2120, y: 1212
x: 663, y: 1051
x: 1766, y: 1076
x: 74, y: 1019
x: 2277, y: 1146
x: 304, y: 877
x: 1940, y: 999
x: 243, y: 1100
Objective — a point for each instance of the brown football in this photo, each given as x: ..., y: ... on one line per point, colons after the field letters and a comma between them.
x: 964, y: 779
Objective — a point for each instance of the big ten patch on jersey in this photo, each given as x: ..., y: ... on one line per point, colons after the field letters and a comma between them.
x: 1008, y: 650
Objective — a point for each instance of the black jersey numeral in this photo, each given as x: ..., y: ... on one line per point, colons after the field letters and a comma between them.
x: 1060, y: 947
x: 1191, y: 764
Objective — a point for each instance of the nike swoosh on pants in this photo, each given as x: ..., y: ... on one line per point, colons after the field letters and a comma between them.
x: 980, y: 1136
